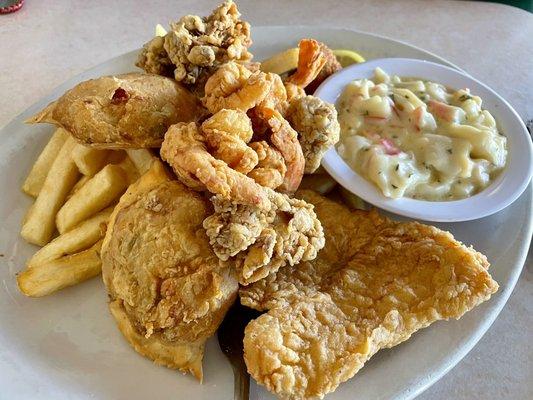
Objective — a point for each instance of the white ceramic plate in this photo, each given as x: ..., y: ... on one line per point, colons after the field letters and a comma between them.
x: 505, y: 189
x: 66, y: 346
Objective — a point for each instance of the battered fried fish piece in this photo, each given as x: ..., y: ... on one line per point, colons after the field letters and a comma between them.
x: 169, y: 292
x: 317, y: 127
x: 374, y: 284
x: 260, y: 240
x: 124, y: 111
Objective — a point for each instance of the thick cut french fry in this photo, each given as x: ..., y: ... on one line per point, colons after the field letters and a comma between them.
x: 39, y: 223
x: 88, y: 159
x: 142, y: 158
x: 82, y: 181
x: 116, y: 156
x: 79, y: 238
x: 99, y: 192
x: 49, y: 277
x: 129, y: 168
x: 35, y: 180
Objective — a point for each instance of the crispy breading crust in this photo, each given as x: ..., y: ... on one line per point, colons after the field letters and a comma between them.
x: 194, y: 45
x: 261, y: 240
x: 317, y: 127
x: 124, y: 111
x: 186, y: 357
x: 169, y: 292
x: 374, y: 284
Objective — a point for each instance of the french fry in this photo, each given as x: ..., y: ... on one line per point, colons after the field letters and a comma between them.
x: 99, y: 192
x: 129, y: 168
x: 35, y: 180
x: 116, y: 156
x: 82, y: 181
x: 88, y: 159
x: 44, y: 279
x: 39, y: 223
x: 81, y: 237
x: 142, y: 158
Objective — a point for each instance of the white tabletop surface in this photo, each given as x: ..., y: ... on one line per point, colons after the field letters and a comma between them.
x: 48, y: 42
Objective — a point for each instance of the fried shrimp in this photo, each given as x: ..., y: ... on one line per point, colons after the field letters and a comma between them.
x: 285, y: 139
x: 270, y: 169
x: 227, y: 134
x: 185, y: 149
x: 311, y: 60
x: 293, y: 92
x: 315, y: 63
x: 277, y: 95
x: 331, y: 66
x: 233, y: 86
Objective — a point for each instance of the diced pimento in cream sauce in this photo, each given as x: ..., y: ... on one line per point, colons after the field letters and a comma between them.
x: 419, y: 139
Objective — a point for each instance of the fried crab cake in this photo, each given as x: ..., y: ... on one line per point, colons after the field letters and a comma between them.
x: 124, y: 111
x: 169, y: 292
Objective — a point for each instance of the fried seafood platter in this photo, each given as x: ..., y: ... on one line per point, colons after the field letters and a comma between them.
x: 197, y: 183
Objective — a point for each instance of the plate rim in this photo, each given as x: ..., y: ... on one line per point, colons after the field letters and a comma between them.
x: 499, y: 301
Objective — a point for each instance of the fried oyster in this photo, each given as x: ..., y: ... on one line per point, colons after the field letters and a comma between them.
x: 195, y: 45
x: 374, y: 284
x: 169, y: 292
x: 317, y: 127
x: 261, y: 240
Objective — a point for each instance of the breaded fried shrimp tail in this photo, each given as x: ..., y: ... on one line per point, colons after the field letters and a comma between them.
x: 184, y: 148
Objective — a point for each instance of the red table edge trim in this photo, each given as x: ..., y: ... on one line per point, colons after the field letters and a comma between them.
x: 12, y: 8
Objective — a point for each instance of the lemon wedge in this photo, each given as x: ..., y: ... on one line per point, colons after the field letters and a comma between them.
x: 348, y: 57
x: 160, y: 31
x: 288, y: 60
x: 282, y: 62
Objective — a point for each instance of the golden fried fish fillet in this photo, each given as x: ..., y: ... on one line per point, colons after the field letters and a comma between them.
x: 374, y: 284
x: 169, y: 291
x: 124, y: 111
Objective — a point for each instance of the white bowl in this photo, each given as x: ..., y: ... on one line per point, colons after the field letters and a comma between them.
x: 505, y: 189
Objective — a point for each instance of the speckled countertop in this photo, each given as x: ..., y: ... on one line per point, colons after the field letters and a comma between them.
x: 48, y: 42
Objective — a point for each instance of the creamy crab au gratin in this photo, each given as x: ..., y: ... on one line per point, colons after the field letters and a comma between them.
x: 419, y: 139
